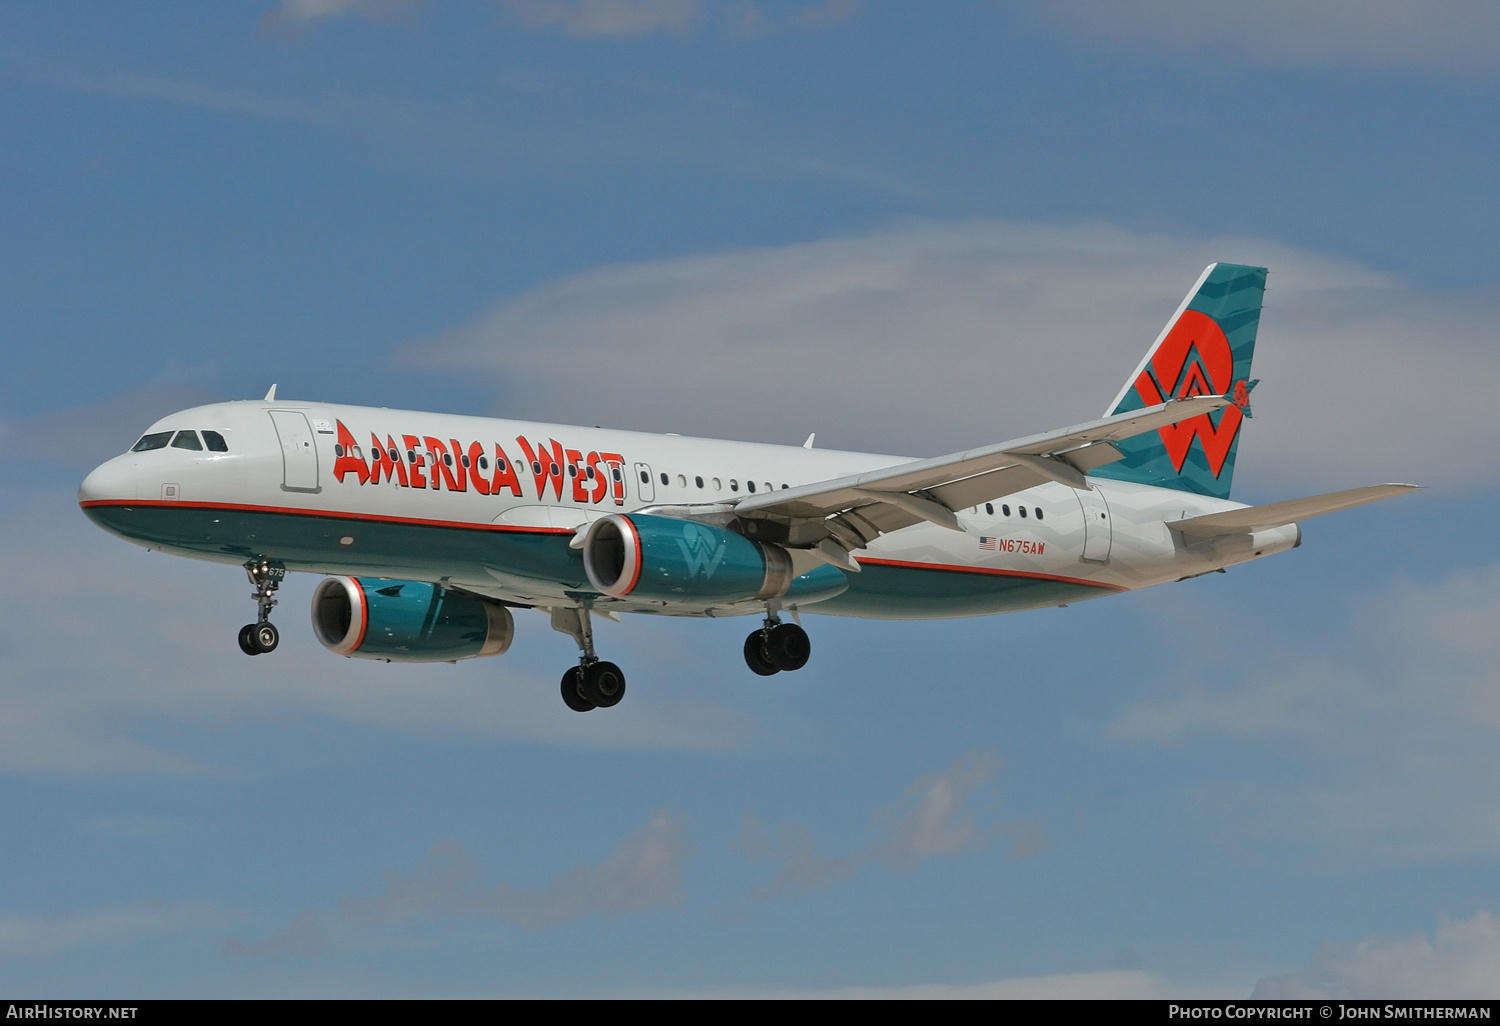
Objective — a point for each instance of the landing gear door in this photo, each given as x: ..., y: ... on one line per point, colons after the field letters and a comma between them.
x: 1097, y: 531
x: 299, y: 457
x: 644, y: 486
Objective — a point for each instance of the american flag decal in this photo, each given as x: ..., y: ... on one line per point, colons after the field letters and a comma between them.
x: 987, y: 543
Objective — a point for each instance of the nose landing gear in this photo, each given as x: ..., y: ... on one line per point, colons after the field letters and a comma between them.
x: 262, y: 635
x: 777, y: 646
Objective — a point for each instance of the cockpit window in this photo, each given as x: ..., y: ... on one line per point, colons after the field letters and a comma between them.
x: 215, y: 442
x: 187, y: 440
x: 158, y: 440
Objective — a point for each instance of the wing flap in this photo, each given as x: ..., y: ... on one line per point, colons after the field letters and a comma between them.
x: 1279, y: 514
x: 1040, y: 458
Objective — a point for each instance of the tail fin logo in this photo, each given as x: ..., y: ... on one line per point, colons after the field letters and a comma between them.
x: 1194, y: 359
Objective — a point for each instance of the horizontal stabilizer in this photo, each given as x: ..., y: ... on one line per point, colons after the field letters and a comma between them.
x: 1278, y: 514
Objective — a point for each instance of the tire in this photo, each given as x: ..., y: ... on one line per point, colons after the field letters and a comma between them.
x: 755, y: 656
x: 247, y: 640
x: 265, y: 636
x: 570, y: 694
x: 788, y: 646
x: 603, y: 684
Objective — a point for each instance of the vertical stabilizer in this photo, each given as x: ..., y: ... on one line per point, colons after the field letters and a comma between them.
x: 1205, y: 349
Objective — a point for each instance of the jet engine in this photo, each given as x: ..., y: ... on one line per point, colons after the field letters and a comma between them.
x: 407, y: 621
x: 664, y: 558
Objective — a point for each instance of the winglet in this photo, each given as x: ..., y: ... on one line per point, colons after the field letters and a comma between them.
x: 270, y: 395
x: 1239, y: 395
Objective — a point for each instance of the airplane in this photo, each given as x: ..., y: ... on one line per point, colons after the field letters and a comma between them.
x: 432, y: 528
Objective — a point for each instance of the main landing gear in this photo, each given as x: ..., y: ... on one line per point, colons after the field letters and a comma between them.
x: 777, y: 646
x: 593, y: 683
x: 262, y: 635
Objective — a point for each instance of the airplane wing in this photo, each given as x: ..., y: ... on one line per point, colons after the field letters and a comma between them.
x: 1278, y: 514
x: 837, y: 516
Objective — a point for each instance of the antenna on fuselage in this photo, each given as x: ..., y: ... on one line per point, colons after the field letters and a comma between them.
x: 271, y: 394
x: 808, y: 444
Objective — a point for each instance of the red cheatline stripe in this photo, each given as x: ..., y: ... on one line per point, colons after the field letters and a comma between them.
x: 864, y: 561
x: 327, y: 513
x: 380, y: 518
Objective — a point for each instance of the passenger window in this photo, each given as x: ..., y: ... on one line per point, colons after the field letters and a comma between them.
x: 783, y: 486
x: 664, y: 478
x: 681, y: 481
x: 484, y: 463
x: 187, y: 440
x: 750, y: 485
x: 698, y: 481
x: 462, y: 459
x: 1023, y: 511
x: 718, y: 485
x: 645, y: 478
x: 572, y: 470
x: 1005, y: 509
x: 215, y: 441
x: 734, y: 485
x: 1039, y: 512
x: 615, y: 473
x: 989, y: 509
x: 768, y: 487
x: 149, y: 442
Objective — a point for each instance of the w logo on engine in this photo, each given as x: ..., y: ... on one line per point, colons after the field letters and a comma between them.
x: 702, y: 550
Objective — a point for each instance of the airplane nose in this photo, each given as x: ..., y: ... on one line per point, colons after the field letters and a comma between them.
x: 112, y: 480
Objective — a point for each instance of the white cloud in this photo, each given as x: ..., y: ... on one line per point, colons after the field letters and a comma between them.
x: 1118, y: 985
x: 1400, y: 714
x: 304, y: 935
x: 609, y: 17
x: 24, y: 936
x: 82, y: 437
x: 932, y: 818
x: 931, y: 336
x: 1447, y: 36
x: 296, y: 13
x: 1462, y: 960
x: 644, y: 872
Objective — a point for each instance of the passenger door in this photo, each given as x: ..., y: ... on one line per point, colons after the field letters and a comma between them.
x: 299, y: 457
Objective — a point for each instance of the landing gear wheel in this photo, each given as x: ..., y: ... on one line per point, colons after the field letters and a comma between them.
x: 571, y: 695
x: 247, y: 640
x: 755, y: 655
x: 788, y: 646
x: 603, y: 684
x: 265, y: 636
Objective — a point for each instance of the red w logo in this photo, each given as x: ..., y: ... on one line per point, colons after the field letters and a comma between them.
x: 1173, y: 373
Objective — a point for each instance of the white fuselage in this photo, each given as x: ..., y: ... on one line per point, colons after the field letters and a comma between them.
x: 489, y: 505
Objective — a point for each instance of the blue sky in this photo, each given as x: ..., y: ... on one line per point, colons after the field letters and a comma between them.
x: 909, y: 228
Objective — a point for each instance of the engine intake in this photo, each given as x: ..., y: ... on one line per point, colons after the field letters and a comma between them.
x: 665, y: 558
x: 407, y: 621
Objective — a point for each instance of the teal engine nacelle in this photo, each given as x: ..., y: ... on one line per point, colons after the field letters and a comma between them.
x: 407, y: 621
x: 663, y: 558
